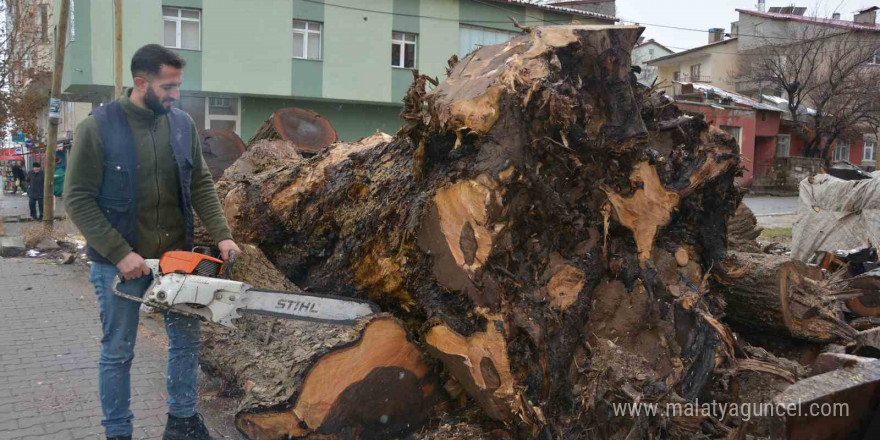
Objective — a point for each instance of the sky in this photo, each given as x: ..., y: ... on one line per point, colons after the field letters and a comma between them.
x: 705, y: 14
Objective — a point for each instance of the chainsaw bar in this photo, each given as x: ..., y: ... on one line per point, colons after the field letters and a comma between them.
x: 221, y: 301
x: 307, y: 307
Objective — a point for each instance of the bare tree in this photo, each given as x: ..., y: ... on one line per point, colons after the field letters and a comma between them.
x: 827, y: 74
x: 24, y: 55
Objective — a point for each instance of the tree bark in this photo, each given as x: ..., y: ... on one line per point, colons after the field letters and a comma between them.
x: 537, y: 225
x: 743, y: 230
x: 775, y: 294
x: 296, y: 379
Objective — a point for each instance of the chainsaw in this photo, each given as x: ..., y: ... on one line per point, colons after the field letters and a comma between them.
x: 198, y: 285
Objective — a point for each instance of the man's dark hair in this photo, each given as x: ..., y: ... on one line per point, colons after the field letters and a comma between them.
x: 148, y: 60
x: 36, y: 165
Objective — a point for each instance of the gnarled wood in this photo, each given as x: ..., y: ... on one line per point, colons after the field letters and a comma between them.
x: 479, y: 362
x: 481, y: 227
x: 773, y: 293
x: 297, y: 379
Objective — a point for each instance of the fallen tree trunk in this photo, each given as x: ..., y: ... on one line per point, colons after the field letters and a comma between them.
x: 368, y: 381
x: 534, y: 226
x: 775, y: 294
x: 743, y: 230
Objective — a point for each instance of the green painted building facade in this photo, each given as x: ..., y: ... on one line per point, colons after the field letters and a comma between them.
x: 247, y: 58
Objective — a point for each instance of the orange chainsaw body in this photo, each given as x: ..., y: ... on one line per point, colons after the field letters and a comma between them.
x: 190, y: 263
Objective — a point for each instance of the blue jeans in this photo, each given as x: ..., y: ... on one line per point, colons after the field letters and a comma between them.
x: 119, y: 322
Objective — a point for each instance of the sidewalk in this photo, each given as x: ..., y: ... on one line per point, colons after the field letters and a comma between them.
x: 49, y: 346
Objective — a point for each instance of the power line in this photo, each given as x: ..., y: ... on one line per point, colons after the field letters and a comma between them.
x: 458, y: 20
x: 401, y: 14
x: 740, y: 34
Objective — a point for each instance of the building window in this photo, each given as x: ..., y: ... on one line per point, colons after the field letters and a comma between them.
x: 875, y: 60
x: 695, y: 72
x: 841, y: 151
x: 736, y: 132
x: 783, y: 145
x: 471, y: 38
x: 306, y: 40
x: 403, y: 50
x: 213, y: 112
x: 869, y: 152
x: 651, y: 54
x: 182, y: 28
x: 676, y: 76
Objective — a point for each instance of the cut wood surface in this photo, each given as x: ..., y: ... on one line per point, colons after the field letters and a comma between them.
x: 307, y: 129
x: 479, y: 362
x: 867, y: 300
x: 220, y: 148
x: 313, y: 378
x: 536, y: 227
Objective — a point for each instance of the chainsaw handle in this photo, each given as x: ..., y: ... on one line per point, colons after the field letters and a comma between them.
x: 135, y: 286
x: 227, y: 268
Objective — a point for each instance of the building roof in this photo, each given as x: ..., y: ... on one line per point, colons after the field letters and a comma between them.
x: 561, y: 9
x: 830, y: 22
x: 651, y: 41
x: 690, y: 51
x: 783, y: 103
x: 735, y: 97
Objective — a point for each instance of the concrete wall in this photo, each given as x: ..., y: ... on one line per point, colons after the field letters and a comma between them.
x: 246, y: 51
x: 724, y: 66
x: 640, y: 57
x: 767, y: 123
x: 351, y: 121
x: 719, y: 62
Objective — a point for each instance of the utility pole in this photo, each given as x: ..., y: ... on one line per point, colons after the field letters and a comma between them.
x: 55, y: 114
x: 117, y: 13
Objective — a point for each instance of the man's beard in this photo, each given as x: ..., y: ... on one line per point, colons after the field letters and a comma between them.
x: 151, y: 100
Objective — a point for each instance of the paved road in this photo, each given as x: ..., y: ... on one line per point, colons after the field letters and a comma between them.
x: 769, y: 205
x: 49, y: 346
x: 13, y: 205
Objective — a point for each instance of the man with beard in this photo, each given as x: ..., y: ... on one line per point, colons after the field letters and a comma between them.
x: 135, y: 174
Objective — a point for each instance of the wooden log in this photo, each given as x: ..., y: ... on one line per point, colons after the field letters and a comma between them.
x: 307, y: 129
x: 773, y: 293
x: 522, y: 193
x: 220, y: 148
x: 369, y: 381
x: 743, y: 230
x: 866, y: 290
x: 263, y: 156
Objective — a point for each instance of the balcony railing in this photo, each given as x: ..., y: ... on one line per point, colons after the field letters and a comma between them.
x: 693, y: 79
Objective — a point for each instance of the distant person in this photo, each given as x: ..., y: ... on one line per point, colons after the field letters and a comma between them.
x: 35, y: 190
x: 18, y: 178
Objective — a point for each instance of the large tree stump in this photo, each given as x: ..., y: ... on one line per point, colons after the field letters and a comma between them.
x: 775, y: 294
x: 534, y: 186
